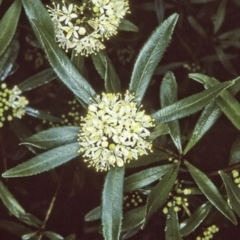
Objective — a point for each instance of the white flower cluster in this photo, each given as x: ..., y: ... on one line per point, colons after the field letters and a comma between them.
x: 114, y: 131
x: 83, y: 28
x: 12, y: 104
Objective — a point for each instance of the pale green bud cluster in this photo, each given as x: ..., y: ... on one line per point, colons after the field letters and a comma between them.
x: 132, y: 200
x: 208, y: 233
x: 12, y: 104
x: 236, y: 177
x: 83, y: 28
x: 114, y: 131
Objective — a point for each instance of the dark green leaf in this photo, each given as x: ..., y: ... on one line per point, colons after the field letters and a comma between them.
x: 227, y: 103
x: 36, y: 11
x: 160, y: 192
x: 7, y: 60
x: 71, y: 237
x: 235, y: 152
x: 41, y: 114
x: 78, y: 62
x: 133, y: 218
x: 63, y: 67
x: 219, y: 18
x: 172, y: 231
x: 159, y: 130
x: 8, y: 25
x: 159, y: 9
x: 149, y: 57
x: 190, y: 224
x: 37, y: 80
x: 126, y: 25
x: 145, y: 177
x: 152, y: 157
x: 10, y: 202
x: 225, y: 61
x: 209, y: 116
x: 45, y: 161
x: 112, y: 199
x: 168, y: 96
x: 196, y: 26
x: 52, y: 235
x: 211, y: 192
x: 106, y: 70
x: 29, y: 236
x: 16, y: 229
x: 190, y: 105
x: 94, y: 214
x: 233, y: 192
x: 53, y: 137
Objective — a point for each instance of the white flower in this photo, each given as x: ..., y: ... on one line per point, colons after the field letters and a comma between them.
x: 111, y: 133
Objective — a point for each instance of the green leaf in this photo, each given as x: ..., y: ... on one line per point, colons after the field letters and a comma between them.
x: 53, y: 137
x: 8, y: 59
x: 94, y: 214
x: 190, y: 224
x: 52, y: 235
x: 219, y: 18
x: 235, y: 152
x: 145, y: 177
x: 211, y: 192
x: 196, y: 26
x: 233, y: 192
x: 30, y: 236
x: 209, y: 116
x: 71, y: 237
x: 16, y: 229
x: 63, y: 66
x: 227, y: 103
x: 36, y: 11
x: 152, y: 157
x: 172, y: 226
x: 45, y: 161
x: 41, y: 114
x: 8, y: 25
x: 10, y: 202
x: 133, y: 218
x: 159, y: 130
x: 37, y: 80
x: 112, y: 199
x: 190, y: 105
x: 106, y: 70
x: 168, y: 96
x: 78, y: 62
x: 126, y: 25
x: 149, y: 57
x: 160, y: 192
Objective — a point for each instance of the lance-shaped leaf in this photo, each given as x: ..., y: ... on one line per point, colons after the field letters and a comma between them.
x: 209, y: 116
x: 45, y: 161
x: 220, y: 16
x: 233, y: 192
x: 145, y: 177
x: 53, y: 137
x: 112, y: 200
x: 41, y: 114
x: 133, y: 218
x: 191, y: 223
x: 227, y: 103
x: 78, y: 61
x: 63, y: 66
x: 172, y: 226
x: 152, y: 157
x: 94, y: 214
x: 190, y: 105
x: 126, y: 25
x: 196, y: 26
x: 106, y: 70
x: 160, y: 192
x: 52, y: 235
x: 149, y: 57
x: 235, y: 152
x: 211, y: 192
x: 37, y: 80
x: 8, y: 25
x: 168, y: 96
x: 37, y: 11
x: 159, y: 130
